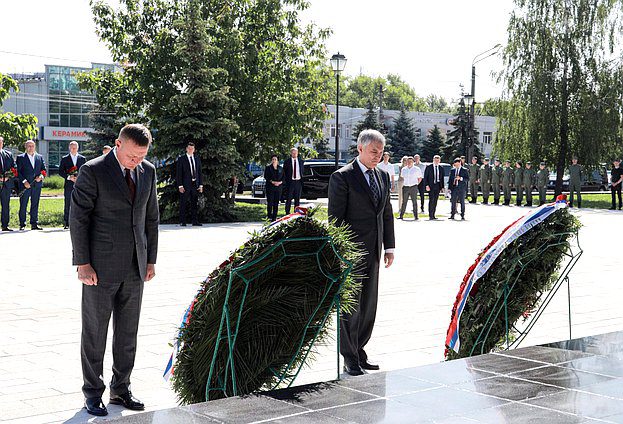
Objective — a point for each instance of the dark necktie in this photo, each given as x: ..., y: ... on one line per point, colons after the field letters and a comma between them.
x: 1, y: 163
x: 192, y: 167
x: 131, y: 184
x: 294, y: 169
x: 436, y: 175
x: 376, y: 193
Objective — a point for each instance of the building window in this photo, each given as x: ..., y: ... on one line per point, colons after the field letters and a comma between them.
x: 487, y: 137
x: 347, y: 136
x: 332, y: 131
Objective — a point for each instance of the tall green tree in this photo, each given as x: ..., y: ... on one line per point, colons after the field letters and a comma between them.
x: 15, y: 129
x: 433, y: 144
x: 370, y: 122
x: 438, y: 104
x: 259, y: 77
x: 402, y: 136
x: 562, y: 90
x: 457, y: 141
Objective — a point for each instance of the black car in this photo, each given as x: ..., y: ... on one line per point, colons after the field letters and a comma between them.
x: 593, y: 180
x: 316, y: 174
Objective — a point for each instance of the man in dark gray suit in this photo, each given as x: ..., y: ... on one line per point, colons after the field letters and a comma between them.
x: 114, y: 232
x: 359, y: 195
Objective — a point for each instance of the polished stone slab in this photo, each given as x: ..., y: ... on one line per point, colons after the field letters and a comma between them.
x: 528, y: 385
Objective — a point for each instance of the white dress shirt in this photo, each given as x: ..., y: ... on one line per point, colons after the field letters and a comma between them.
x: 412, y: 176
x: 389, y: 168
x: 74, y: 159
x: 364, y: 169
x: 296, y: 173
x: 32, y: 160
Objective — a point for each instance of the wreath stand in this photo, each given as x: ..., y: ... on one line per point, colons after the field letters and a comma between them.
x: 515, y: 333
x: 230, y: 320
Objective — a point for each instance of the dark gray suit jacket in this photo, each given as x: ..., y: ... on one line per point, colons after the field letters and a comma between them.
x: 351, y: 202
x: 106, y: 229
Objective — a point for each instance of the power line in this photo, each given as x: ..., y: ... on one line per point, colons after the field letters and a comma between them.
x: 45, y: 57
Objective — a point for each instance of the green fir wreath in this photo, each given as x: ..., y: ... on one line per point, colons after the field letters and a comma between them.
x: 280, y: 299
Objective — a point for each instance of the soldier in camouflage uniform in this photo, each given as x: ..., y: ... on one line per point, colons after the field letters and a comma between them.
x: 518, y: 181
x: 474, y: 178
x: 507, y: 182
x: 575, y: 181
x: 496, y: 179
x: 485, y: 181
x: 529, y: 177
x: 542, y: 178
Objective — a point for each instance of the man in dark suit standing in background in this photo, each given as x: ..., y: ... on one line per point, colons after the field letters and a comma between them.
x: 433, y: 180
x: 458, y: 186
x: 189, y: 183
x: 6, y: 184
x: 293, y: 178
x: 68, y: 169
x: 114, y: 232
x: 359, y: 195
x: 31, y: 172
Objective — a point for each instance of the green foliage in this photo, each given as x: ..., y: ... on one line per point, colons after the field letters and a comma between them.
x: 563, y: 90
x: 15, y: 129
x: 370, y: 122
x: 433, y: 144
x: 529, y: 267
x: 438, y: 104
x: 361, y: 90
x: 54, y: 182
x: 402, y: 137
x: 277, y: 304
x: 321, y: 146
x: 243, y: 79
x: 457, y: 143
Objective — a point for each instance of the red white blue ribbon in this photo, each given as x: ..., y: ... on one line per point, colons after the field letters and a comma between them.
x: 520, y: 227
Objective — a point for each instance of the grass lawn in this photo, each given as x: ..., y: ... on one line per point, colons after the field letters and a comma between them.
x: 50, y: 213
x: 594, y: 200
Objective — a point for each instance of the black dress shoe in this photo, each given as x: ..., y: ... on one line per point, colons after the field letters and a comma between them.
x: 197, y: 224
x: 183, y: 224
x: 6, y: 229
x: 127, y: 401
x: 353, y: 370
x: 451, y: 217
x: 65, y: 227
x: 22, y: 227
x: 95, y: 406
x: 36, y: 227
x: 368, y: 366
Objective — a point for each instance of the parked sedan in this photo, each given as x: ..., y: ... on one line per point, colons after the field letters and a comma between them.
x: 316, y: 174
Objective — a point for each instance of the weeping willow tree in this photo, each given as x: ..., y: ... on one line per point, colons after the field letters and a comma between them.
x: 563, y: 82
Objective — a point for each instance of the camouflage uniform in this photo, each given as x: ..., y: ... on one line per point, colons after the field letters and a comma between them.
x: 507, y: 184
x: 496, y: 179
x: 518, y: 180
x: 485, y: 181
x: 474, y: 174
x: 575, y: 183
x: 529, y: 175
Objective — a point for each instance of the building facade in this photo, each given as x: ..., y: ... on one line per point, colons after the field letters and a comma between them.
x: 61, y: 107
x: 422, y: 122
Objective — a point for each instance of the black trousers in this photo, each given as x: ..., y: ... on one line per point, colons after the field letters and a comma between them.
x: 356, y: 328
x: 5, y: 199
x: 616, y: 190
x: 293, y: 192
x: 421, y: 189
x: 457, y: 196
x: 123, y: 300
x: 67, y: 193
x: 273, y: 194
x: 433, y: 197
x: 189, y: 197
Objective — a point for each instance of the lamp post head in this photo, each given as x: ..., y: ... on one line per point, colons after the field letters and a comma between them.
x: 338, y: 62
x: 469, y: 99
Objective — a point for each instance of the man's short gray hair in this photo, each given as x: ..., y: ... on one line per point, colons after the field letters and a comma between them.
x: 436, y: 157
x: 368, y: 136
x: 73, y: 142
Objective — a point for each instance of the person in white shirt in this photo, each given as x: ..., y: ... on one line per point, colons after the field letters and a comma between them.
x: 293, y: 178
x: 412, y: 176
x: 68, y: 170
x: 420, y: 187
x: 400, y: 183
x: 388, y: 167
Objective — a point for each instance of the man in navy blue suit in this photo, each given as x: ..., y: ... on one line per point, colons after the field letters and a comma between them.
x: 68, y: 169
x: 458, y: 186
x: 6, y: 184
x: 293, y: 178
x: 189, y: 183
x: 30, y: 172
x: 433, y: 180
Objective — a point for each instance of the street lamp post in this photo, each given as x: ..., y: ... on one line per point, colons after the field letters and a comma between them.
x: 469, y: 100
x: 338, y: 62
x: 472, y: 96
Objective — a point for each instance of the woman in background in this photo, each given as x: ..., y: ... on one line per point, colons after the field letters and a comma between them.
x: 273, y: 174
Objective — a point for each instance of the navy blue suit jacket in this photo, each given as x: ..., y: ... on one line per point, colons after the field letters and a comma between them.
x: 7, y: 161
x: 66, y: 165
x: 462, y: 185
x: 25, y: 171
x: 183, y: 175
x: 429, y: 177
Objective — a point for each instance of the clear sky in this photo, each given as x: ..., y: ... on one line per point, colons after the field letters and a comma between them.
x: 430, y: 44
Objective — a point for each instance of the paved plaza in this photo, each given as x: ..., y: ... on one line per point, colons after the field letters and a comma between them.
x: 40, y: 375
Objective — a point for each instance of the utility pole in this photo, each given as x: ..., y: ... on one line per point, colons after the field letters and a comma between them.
x: 380, y: 104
